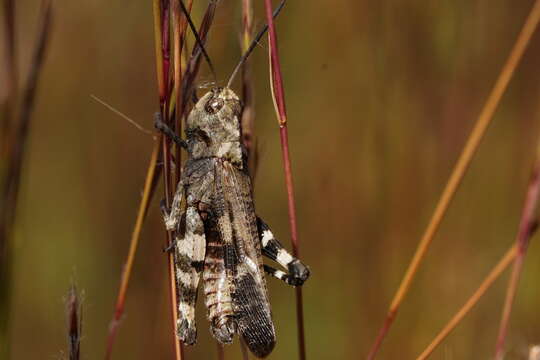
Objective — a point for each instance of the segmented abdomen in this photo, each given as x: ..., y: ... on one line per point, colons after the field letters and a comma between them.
x: 218, y: 290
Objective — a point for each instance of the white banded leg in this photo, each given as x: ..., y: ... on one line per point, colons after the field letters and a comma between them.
x: 272, y: 248
x: 189, y: 260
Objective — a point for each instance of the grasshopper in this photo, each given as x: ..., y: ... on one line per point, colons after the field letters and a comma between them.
x: 217, y: 233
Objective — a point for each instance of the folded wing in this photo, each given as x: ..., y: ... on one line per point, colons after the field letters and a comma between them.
x: 250, y: 296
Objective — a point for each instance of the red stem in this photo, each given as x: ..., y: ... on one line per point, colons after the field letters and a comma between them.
x: 283, y: 133
x: 167, y: 158
x: 279, y: 96
x: 165, y: 49
x: 526, y: 227
x: 382, y: 334
x: 8, y: 27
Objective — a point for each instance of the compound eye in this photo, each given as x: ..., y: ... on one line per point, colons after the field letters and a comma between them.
x: 214, y: 105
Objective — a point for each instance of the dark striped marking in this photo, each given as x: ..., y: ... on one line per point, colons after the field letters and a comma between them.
x: 198, y: 265
x: 183, y: 262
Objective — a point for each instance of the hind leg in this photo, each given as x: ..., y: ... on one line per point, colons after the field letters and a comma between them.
x: 282, y: 275
x: 272, y: 248
x: 189, y: 257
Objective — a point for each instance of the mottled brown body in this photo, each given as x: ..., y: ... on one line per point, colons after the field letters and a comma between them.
x: 220, y: 236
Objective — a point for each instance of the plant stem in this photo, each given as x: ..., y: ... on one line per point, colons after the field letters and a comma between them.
x: 471, y: 302
x: 526, y: 226
x: 149, y: 187
x: 459, y: 170
x: 13, y: 137
x: 278, y: 95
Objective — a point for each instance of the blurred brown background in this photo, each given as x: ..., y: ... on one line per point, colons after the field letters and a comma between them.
x: 381, y: 96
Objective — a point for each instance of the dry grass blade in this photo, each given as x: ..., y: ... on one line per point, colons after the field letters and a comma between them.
x: 74, y: 313
x: 14, y: 134
x: 179, y: 29
x: 6, y: 114
x: 162, y: 24
x: 471, y: 302
x: 254, y: 43
x: 247, y: 24
x: 205, y: 26
x: 527, y: 225
x: 152, y: 177
x: 278, y: 96
x: 460, y: 168
x: 181, y: 84
x: 21, y: 128
x: 193, y: 65
x: 158, y: 40
x: 248, y: 112
x: 9, y: 104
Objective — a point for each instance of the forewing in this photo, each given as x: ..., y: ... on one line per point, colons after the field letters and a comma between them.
x: 250, y: 296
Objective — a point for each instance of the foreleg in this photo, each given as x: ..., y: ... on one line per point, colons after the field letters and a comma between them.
x: 160, y: 125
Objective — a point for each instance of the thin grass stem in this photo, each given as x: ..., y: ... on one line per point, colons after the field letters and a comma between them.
x: 14, y: 130
x: 526, y: 226
x: 248, y: 113
x: 8, y: 26
x: 198, y: 39
x: 505, y: 261
x: 459, y: 170
x: 162, y: 50
x: 6, y: 119
x: 158, y: 40
x: 152, y: 175
x: 278, y: 95
x: 9, y: 105
x: 179, y: 29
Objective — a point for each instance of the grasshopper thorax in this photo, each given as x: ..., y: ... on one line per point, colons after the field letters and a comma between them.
x: 213, y: 126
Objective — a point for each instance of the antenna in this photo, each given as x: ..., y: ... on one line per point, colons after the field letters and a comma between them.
x: 253, y: 44
x: 198, y: 38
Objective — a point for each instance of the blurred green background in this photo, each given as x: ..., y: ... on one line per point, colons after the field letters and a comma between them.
x: 381, y: 96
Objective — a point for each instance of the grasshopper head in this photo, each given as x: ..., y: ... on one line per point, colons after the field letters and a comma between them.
x: 213, y: 126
